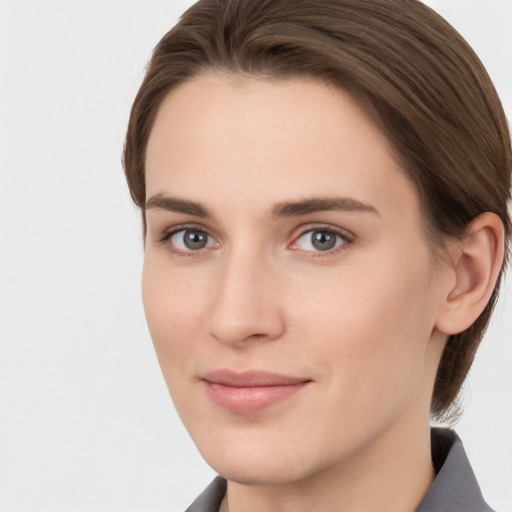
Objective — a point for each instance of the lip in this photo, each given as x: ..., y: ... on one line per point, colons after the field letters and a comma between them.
x: 251, y: 391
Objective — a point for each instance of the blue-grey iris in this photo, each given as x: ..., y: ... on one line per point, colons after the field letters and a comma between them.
x: 323, y: 240
x: 195, y: 240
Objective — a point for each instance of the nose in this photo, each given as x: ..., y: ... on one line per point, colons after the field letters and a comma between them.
x: 246, y: 304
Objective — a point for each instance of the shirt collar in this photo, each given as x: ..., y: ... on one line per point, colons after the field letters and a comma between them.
x: 455, y: 488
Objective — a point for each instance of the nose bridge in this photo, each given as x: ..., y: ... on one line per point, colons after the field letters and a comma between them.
x: 245, y: 305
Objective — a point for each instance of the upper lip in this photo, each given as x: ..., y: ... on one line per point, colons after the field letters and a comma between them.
x: 251, y: 378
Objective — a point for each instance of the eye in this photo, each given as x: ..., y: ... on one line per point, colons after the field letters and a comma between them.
x: 187, y: 240
x: 319, y: 240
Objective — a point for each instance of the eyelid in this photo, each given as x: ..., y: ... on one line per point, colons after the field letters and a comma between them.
x: 347, y: 236
x: 166, y: 235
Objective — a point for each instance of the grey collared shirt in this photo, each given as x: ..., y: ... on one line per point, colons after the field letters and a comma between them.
x: 455, y: 488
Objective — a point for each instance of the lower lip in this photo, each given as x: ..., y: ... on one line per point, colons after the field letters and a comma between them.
x: 247, y: 400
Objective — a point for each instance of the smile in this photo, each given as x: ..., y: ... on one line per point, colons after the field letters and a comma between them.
x: 252, y: 391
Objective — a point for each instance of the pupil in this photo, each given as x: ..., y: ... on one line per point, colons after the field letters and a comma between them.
x: 195, y: 239
x: 323, y: 240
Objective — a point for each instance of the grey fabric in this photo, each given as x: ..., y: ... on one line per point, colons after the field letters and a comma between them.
x: 210, y: 499
x: 455, y: 488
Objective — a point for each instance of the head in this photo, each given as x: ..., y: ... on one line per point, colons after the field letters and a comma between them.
x: 401, y: 76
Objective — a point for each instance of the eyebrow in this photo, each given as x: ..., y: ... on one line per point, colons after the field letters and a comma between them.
x: 176, y: 204
x: 320, y: 204
x: 280, y: 210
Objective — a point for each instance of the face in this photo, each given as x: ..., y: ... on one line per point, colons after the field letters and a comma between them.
x: 288, y: 285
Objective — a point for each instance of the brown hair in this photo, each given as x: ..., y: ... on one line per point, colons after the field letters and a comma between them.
x: 426, y: 87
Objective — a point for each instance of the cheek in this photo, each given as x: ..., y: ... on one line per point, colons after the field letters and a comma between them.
x: 370, y: 329
x: 174, y: 314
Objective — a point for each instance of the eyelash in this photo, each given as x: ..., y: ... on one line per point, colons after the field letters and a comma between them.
x: 346, y: 238
x: 167, y: 236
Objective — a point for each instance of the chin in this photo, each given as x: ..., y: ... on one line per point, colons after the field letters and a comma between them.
x: 269, y: 472
x: 258, y: 459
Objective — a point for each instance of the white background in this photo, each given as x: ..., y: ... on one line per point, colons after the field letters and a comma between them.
x: 85, y: 420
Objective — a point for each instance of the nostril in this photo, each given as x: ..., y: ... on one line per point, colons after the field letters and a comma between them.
x: 243, y: 335
x: 224, y: 337
x: 256, y: 336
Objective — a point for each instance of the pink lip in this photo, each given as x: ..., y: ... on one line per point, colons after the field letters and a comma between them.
x: 251, y: 391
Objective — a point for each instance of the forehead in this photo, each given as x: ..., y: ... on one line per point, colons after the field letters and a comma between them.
x: 252, y: 141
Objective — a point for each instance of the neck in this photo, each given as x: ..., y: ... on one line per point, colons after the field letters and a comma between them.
x: 392, y: 473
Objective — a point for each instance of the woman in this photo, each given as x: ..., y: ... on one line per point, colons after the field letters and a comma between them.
x: 323, y: 187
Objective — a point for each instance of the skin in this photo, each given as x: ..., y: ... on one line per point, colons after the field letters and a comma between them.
x: 364, y: 322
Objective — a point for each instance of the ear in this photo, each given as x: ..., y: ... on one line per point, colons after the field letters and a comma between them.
x: 476, y: 266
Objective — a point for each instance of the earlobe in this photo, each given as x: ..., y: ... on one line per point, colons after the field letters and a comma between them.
x: 476, y: 270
